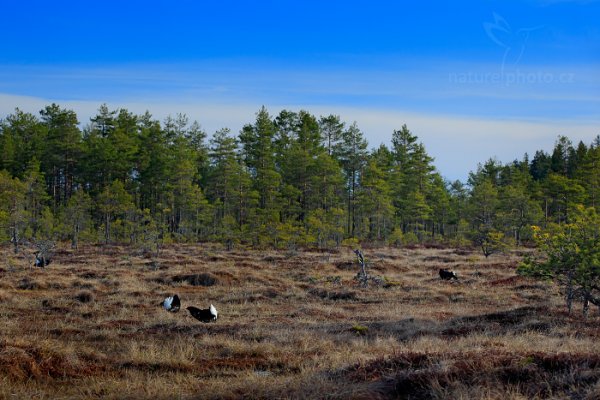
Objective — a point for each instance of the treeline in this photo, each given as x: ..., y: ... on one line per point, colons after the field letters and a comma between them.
x: 284, y: 181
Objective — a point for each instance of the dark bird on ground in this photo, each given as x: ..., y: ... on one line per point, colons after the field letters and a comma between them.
x: 41, y: 261
x: 447, y: 275
x: 172, y: 303
x: 204, y: 315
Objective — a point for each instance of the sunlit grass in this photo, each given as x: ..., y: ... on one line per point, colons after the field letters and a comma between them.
x: 289, y: 326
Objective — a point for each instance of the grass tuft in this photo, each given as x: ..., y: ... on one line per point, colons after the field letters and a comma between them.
x: 360, y: 330
x: 84, y: 296
x: 202, y: 279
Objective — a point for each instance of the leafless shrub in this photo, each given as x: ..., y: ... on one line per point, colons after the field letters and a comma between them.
x: 333, y: 294
x: 363, y: 277
x: 29, y: 284
x: 202, y: 279
x: 44, y: 252
x: 84, y: 296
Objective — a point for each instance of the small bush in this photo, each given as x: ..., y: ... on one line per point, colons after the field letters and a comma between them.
x: 203, y: 279
x: 84, y: 296
x: 28, y: 284
x: 388, y: 283
x: 350, y: 242
x: 333, y: 295
x: 360, y: 330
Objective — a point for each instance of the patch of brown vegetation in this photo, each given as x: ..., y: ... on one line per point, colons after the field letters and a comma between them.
x: 29, y: 284
x: 510, y: 281
x: 442, y: 259
x: 84, y: 296
x: 291, y: 325
x: 533, y: 374
x: 202, y: 279
x: 21, y: 362
x: 333, y: 294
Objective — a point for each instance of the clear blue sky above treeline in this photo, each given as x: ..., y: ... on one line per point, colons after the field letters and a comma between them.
x: 473, y: 80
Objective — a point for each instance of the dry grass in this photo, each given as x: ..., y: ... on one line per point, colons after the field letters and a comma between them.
x: 290, y: 326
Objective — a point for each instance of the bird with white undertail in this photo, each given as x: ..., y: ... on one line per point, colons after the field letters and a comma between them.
x: 172, y: 303
x: 204, y: 315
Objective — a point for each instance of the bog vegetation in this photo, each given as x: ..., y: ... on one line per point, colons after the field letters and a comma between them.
x: 291, y: 325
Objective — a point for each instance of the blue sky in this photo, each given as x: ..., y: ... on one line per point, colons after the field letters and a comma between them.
x: 473, y: 80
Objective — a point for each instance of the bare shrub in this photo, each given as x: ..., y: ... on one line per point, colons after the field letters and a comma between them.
x: 202, y: 279
x: 29, y: 284
x: 333, y: 294
x: 84, y: 296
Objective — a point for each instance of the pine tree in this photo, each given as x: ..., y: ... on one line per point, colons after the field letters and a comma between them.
x: 413, y: 181
x: 560, y: 160
x: 438, y: 199
x: 114, y: 203
x: 124, y: 141
x: 153, y: 160
x: 517, y: 210
x: 111, y: 146
x: 185, y: 198
x: 540, y: 165
x: 286, y: 133
x: 22, y: 138
x: 229, y: 188
x: 352, y: 154
x: 76, y: 217
x: 458, y: 211
x: 483, y: 212
x: 62, y: 153
x: 327, y: 183
x: 588, y: 176
x: 298, y: 167
x: 331, y: 128
x: 569, y: 254
x: 36, y: 197
x: 374, y: 203
x: 13, y: 217
x: 562, y: 194
x: 222, y: 171
x: 258, y: 153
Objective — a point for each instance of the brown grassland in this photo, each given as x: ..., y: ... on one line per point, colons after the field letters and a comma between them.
x: 291, y: 325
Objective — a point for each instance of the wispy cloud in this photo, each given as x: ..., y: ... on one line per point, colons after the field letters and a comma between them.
x: 427, y: 85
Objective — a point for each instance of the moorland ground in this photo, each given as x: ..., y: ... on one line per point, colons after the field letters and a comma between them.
x: 291, y: 325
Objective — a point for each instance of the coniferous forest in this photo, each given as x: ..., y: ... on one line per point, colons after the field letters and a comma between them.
x: 284, y: 181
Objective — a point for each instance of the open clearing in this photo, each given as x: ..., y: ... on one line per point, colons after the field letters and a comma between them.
x: 291, y: 325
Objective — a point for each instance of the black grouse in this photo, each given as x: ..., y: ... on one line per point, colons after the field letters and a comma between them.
x: 447, y: 275
x: 41, y: 261
x: 172, y: 303
x: 204, y: 315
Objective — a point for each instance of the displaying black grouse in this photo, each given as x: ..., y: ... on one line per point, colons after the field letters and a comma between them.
x: 447, y: 275
x: 41, y: 261
x: 172, y: 303
x: 204, y: 315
